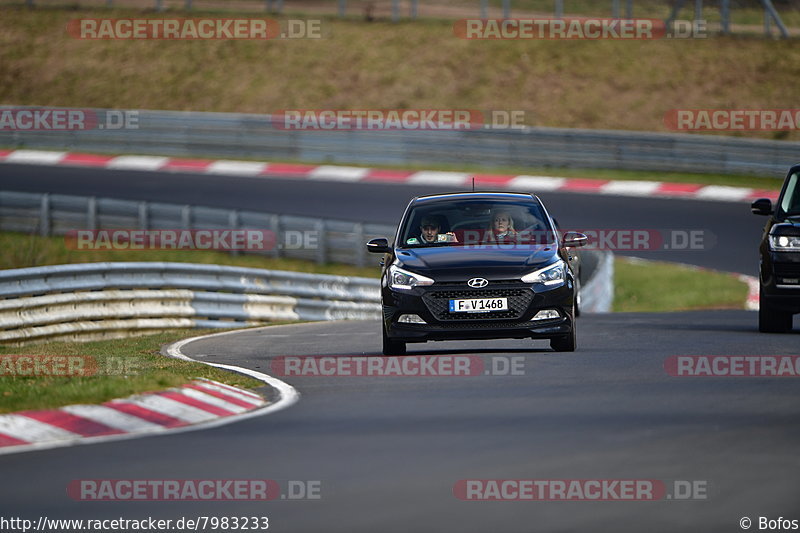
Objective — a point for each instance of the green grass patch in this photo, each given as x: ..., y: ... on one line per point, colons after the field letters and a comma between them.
x: 18, y: 250
x: 625, y: 85
x: 652, y: 286
x: 125, y: 367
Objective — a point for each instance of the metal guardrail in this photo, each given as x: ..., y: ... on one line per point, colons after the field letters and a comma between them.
x: 101, y: 300
x: 256, y: 137
x: 106, y: 300
x: 597, y: 290
x: 332, y: 241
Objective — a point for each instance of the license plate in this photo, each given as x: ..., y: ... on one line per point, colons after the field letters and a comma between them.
x: 479, y: 305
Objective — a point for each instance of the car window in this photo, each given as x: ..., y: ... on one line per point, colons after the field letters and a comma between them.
x: 790, y: 204
x: 469, y: 222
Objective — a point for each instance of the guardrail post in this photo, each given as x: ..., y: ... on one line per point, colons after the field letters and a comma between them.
x: 414, y: 5
x: 629, y: 9
x: 233, y: 223
x: 506, y: 9
x: 725, y: 15
x: 188, y: 5
x: 698, y: 10
x: 484, y: 9
x: 186, y: 217
x: 769, y: 10
x: 559, y: 14
x: 91, y: 213
x: 322, y: 241
x: 275, y: 225
x: 44, y: 216
x: 615, y: 9
x: 395, y: 10
x: 342, y: 8
x: 144, y: 216
x: 159, y: 5
x: 358, y: 232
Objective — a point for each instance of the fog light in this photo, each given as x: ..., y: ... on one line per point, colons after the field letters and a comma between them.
x: 411, y: 319
x: 546, y: 314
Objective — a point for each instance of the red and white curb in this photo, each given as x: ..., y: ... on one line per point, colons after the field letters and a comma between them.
x: 201, y: 404
x: 753, y: 289
x: 456, y: 180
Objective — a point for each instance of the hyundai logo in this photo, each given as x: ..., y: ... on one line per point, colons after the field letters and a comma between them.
x: 478, y: 283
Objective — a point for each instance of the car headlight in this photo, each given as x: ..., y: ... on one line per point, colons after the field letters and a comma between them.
x: 784, y: 243
x: 554, y: 274
x: 403, y: 279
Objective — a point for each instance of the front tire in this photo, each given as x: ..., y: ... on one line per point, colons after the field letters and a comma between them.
x: 392, y: 347
x: 568, y: 342
x: 772, y: 320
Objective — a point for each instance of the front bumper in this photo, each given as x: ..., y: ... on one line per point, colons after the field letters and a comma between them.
x: 430, y: 303
x: 780, y: 281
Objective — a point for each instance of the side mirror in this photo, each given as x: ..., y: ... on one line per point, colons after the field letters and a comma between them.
x: 762, y: 206
x: 573, y: 239
x: 378, y: 246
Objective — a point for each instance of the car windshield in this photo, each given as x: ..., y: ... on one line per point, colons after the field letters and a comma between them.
x: 790, y: 203
x: 471, y: 222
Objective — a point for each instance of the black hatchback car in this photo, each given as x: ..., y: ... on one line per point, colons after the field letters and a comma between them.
x: 478, y: 265
x: 780, y: 257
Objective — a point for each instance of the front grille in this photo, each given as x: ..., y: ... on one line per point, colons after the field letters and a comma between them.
x: 438, y: 302
x: 494, y: 324
x: 787, y: 270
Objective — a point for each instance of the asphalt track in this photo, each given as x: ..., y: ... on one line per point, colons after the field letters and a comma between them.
x: 729, y: 231
x: 389, y: 450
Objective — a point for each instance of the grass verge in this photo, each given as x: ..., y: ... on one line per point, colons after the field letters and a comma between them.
x: 18, y: 250
x: 608, y: 84
x: 653, y: 286
x: 124, y: 367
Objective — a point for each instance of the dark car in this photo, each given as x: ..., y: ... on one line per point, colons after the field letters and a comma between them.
x: 478, y: 265
x: 780, y: 257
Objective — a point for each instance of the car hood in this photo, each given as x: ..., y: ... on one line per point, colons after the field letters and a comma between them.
x: 787, y: 227
x: 458, y: 263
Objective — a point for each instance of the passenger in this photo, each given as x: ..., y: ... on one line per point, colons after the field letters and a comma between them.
x: 501, y: 226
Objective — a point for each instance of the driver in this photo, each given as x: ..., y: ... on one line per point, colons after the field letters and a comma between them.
x: 430, y: 233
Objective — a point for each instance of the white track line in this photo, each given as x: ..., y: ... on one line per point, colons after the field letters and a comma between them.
x: 23, y: 428
x: 236, y: 168
x: 287, y: 396
x: 35, y: 157
x: 336, y: 173
x: 111, y: 417
x: 216, y: 401
x: 137, y: 162
x: 253, y: 399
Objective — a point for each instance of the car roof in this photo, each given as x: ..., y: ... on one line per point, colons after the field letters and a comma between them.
x: 476, y: 195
